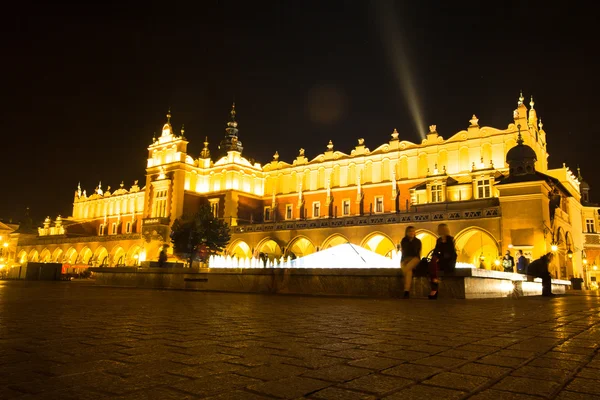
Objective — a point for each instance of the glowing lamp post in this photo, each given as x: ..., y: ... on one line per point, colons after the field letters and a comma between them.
x: 137, y: 259
x: 554, y: 248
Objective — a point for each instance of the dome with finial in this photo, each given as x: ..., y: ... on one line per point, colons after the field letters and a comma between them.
x: 231, y: 141
x: 167, y: 129
x: 521, y: 158
x: 582, y: 184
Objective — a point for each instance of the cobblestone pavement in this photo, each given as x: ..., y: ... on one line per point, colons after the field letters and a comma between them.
x: 67, y: 340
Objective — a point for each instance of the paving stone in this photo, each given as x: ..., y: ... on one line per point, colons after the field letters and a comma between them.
x: 564, y: 356
x: 405, y: 355
x: 333, y: 393
x: 214, y: 384
x: 554, y: 363
x: 273, y: 372
x: 438, y: 361
x: 353, y: 354
x: 420, y: 392
x: 550, y: 374
x: 589, y: 373
x: 492, y: 394
x: 238, y: 395
x: 376, y: 363
x: 377, y: 384
x: 463, y: 354
x: 566, y: 395
x: 527, y: 386
x: 289, y: 388
x: 501, y: 361
x: 412, y: 371
x: 337, y: 373
x: 581, y: 385
x: 467, y: 383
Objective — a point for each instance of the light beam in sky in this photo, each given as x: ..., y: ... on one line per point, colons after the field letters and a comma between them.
x: 397, y: 51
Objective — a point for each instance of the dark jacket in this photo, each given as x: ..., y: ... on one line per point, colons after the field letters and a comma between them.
x: 522, y: 263
x: 410, y: 248
x: 446, y: 253
x: 508, y: 264
x: 539, y: 268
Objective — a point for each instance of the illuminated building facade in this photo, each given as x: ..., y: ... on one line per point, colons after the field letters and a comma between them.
x: 491, y: 186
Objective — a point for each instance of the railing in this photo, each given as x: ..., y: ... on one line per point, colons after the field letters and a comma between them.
x: 375, y: 219
x: 592, y: 239
x: 77, y: 239
x: 156, y: 221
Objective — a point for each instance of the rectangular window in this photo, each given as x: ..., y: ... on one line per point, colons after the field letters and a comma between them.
x: 346, y: 207
x: 484, y: 189
x: 114, y: 229
x: 214, y: 207
x: 268, y: 215
x: 101, y: 230
x: 436, y: 193
x: 160, y: 203
x: 590, y: 225
x: 316, y: 209
x: 379, y: 204
x: 289, y: 211
x: 128, y: 227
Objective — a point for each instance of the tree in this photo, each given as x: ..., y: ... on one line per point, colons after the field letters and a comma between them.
x: 200, y: 235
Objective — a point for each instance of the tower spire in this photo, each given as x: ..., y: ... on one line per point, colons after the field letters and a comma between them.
x: 531, y: 103
x: 169, y: 116
x: 231, y: 141
x: 519, y: 137
x: 521, y: 99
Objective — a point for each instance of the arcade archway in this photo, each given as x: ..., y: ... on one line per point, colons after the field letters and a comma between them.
x: 428, y: 240
x: 300, y: 247
x: 240, y: 249
x: 379, y: 243
x: 269, y: 248
x: 334, y: 240
x: 70, y: 256
x: 478, y: 247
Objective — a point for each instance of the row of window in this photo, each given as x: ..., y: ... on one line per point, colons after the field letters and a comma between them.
x: 114, y: 228
x: 316, y: 209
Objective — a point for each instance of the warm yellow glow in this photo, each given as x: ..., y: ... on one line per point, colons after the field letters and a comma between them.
x: 595, y: 267
x: 554, y: 248
x: 5, y: 244
x: 497, y: 263
x: 136, y: 256
x: 585, y: 261
x: 510, y: 246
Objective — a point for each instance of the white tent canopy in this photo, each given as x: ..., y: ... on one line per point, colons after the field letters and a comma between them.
x: 345, y: 255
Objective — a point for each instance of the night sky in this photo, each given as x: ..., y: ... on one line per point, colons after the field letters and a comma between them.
x: 84, y: 87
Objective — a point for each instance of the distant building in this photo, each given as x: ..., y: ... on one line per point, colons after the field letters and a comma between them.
x: 492, y: 186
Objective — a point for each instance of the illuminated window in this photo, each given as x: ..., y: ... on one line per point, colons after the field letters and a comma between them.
x: 590, y: 225
x: 436, y: 193
x: 268, y: 214
x: 484, y: 189
x: 346, y: 207
x: 128, y: 227
x: 113, y: 231
x: 214, y: 207
x: 101, y: 230
x: 379, y: 204
x: 160, y: 203
x: 316, y: 209
x: 289, y: 211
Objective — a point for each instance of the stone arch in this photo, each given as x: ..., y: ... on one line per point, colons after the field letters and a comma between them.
x: 334, y: 240
x: 22, y: 257
x: 45, y: 256
x: 269, y: 248
x: 101, y: 256
x: 240, y: 249
x: 477, y: 246
x: 428, y: 240
x: 33, y: 255
x: 133, y: 255
x: 85, y: 256
x: 300, y: 246
x: 117, y: 256
x: 57, y: 255
x: 70, y: 256
x: 379, y: 243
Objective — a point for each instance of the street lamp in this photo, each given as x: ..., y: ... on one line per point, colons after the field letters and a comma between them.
x: 136, y: 258
x: 554, y: 247
x: 570, y: 253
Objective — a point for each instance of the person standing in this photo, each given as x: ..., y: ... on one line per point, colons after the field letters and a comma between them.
x: 411, y: 256
x: 522, y: 262
x: 540, y: 268
x: 508, y: 262
x: 444, y: 258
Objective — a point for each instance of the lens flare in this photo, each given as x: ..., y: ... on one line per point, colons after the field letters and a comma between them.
x: 397, y: 51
